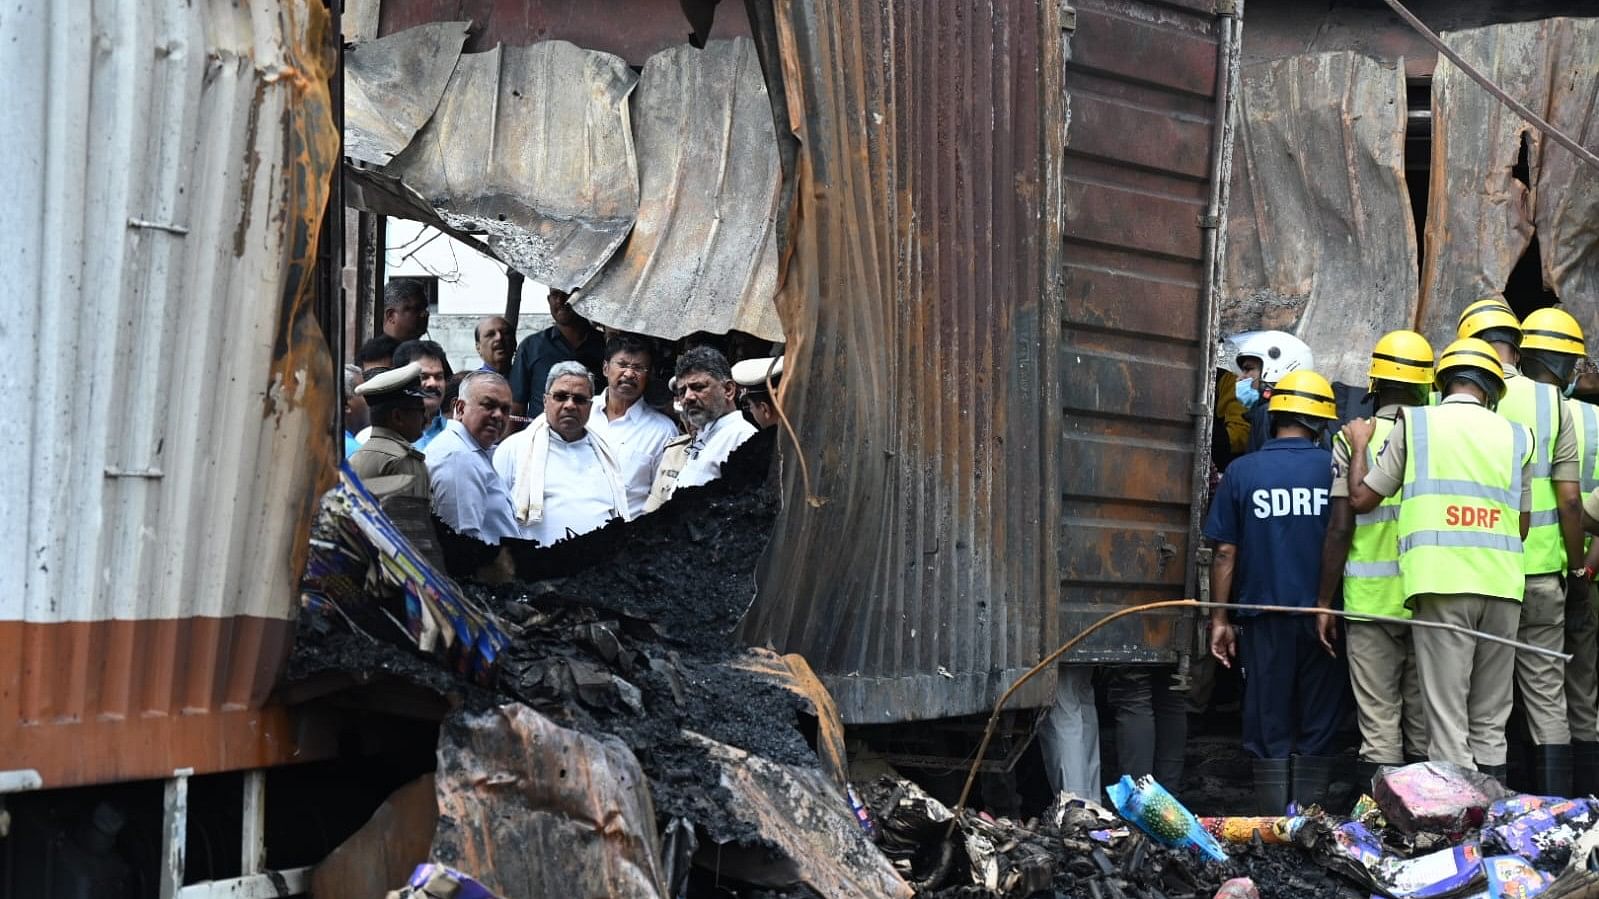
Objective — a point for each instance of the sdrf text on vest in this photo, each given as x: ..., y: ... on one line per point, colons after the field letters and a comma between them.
x: 1279, y: 502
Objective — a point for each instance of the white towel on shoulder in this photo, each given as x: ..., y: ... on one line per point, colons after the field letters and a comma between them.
x: 528, y: 497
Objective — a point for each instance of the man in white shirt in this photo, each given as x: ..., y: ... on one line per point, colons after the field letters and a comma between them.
x: 563, y: 476
x: 706, y: 382
x: 468, y: 495
x: 637, y: 433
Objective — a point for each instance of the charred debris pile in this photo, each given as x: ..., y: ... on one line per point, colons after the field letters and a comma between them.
x: 602, y: 733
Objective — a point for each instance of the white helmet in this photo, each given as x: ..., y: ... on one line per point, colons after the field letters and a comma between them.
x: 1278, y: 351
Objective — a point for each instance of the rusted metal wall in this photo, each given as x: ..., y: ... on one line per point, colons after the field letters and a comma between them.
x: 1143, y: 88
x: 167, y: 168
x: 1321, y: 240
x: 1482, y: 215
x: 922, y: 306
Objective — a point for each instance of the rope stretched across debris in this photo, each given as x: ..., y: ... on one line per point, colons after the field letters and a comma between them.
x: 1052, y: 658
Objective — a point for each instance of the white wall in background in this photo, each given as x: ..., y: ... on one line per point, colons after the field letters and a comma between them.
x: 469, y: 282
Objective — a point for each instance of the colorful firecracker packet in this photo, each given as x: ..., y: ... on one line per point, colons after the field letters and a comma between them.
x: 1148, y: 806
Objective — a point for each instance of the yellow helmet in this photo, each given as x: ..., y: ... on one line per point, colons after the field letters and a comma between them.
x: 1305, y: 393
x: 1402, y: 356
x: 1473, y: 355
x: 1489, y: 315
x: 1552, y: 330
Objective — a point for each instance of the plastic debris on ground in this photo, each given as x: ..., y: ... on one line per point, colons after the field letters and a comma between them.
x: 363, y: 569
x: 431, y: 881
x: 1148, y: 805
x: 1439, y: 797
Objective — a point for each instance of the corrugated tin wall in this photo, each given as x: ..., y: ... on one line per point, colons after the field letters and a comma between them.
x: 166, y: 169
x: 1142, y: 87
x: 922, y: 303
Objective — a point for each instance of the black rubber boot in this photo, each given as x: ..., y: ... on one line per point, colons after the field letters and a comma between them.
x: 1497, y: 772
x: 1312, y: 774
x: 1585, y: 769
x: 1552, y: 770
x: 1271, y: 786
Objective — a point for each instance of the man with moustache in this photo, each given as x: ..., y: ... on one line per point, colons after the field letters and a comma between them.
x: 436, y: 373
x: 637, y: 432
x: 468, y: 495
x: 495, y: 339
x: 570, y: 339
x: 708, y: 389
x: 563, y: 476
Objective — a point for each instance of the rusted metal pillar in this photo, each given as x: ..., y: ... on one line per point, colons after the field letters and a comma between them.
x: 369, y: 276
x: 513, y: 297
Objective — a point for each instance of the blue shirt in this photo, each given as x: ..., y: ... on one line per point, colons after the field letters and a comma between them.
x: 468, y: 495
x: 434, y: 429
x: 350, y: 444
x: 1272, y: 505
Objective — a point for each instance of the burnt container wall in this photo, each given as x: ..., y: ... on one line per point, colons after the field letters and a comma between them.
x: 921, y: 301
x: 166, y: 173
x: 1141, y: 86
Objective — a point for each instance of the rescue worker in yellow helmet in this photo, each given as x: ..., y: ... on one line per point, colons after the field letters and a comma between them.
x: 1466, y: 479
x: 1362, y: 553
x: 1268, y: 521
x: 1554, y: 548
x: 1551, y: 345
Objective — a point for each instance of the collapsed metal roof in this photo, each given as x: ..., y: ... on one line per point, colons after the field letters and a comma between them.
x: 545, y: 151
x: 392, y: 87
x: 703, y: 253
x: 531, y: 146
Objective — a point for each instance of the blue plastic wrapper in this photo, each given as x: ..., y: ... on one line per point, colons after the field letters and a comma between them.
x: 1442, y: 873
x: 1545, y: 835
x: 1510, y: 877
x: 437, y: 880
x: 1148, y: 806
x: 1355, y: 842
x: 1505, y: 810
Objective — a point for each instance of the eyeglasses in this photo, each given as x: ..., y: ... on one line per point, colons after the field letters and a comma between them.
x: 576, y: 399
x: 633, y: 367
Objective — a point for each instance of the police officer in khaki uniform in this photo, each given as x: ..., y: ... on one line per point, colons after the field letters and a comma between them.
x: 1466, y: 478
x: 1362, y: 553
x: 387, y: 463
x: 752, y: 376
x: 1554, y: 552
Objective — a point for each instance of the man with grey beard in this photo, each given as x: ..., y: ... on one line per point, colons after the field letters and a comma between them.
x: 704, y: 381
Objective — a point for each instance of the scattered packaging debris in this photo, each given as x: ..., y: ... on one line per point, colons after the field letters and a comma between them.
x: 1158, y: 813
x: 1439, y: 797
x: 431, y: 881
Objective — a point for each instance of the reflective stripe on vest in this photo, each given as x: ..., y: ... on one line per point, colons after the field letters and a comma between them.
x: 1372, y: 583
x: 1536, y: 405
x: 1459, y: 521
x: 1586, y: 417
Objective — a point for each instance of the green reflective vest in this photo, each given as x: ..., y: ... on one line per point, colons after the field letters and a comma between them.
x: 1460, y: 518
x: 1537, y: 407
x: 1585, y: 416
x: 1372, y: 583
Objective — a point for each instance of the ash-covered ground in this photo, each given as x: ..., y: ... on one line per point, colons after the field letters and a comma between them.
x: 626, y: 631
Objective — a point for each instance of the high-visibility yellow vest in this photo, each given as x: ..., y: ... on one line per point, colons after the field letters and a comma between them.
x: 1460, y: 518
x: 1585, y: 416
x: 1372, y: 583
x: 1537, y: 406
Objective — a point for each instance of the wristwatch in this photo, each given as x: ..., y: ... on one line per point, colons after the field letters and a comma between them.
x: 1580, y: 572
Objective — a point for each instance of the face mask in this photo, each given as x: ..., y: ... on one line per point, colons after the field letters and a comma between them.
x: 1247, y: 393
x: 1571, y: 388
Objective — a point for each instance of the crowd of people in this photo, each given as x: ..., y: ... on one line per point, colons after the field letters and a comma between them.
x: 1460, y: 503
x: 548, y: 439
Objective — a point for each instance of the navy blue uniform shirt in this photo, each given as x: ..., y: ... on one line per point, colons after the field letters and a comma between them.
x: 1272, y: 505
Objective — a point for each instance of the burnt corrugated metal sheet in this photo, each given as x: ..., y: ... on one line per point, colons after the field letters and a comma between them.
x: 635, y: 30
x: 1142, y: 88
x: 392, y: 87
x: 922, y: 307
x: 1321, y: 240
x: 531, y: 145
x: 167, y: 169
x: 1481, y: 214
x: 703, y: 253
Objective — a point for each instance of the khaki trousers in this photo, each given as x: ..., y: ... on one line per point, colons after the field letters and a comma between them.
x: 1466, y: 683
x: 1391, y: 721
x: 1582, y: 675
x: 1541, y: 679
